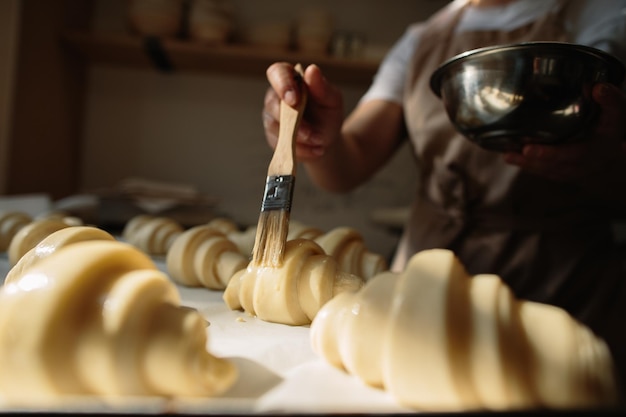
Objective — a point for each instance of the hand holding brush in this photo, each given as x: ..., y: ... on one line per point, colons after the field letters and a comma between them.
x: 273, y: 225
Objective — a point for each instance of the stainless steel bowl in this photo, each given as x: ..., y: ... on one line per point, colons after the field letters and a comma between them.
x: 503, y: 96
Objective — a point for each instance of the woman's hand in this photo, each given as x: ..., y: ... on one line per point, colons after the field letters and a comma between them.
x: 600, y: 160
x: 323, y: 117
x: 338, y: 154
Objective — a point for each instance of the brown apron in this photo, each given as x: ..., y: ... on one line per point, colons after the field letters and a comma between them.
x: 547, y: 240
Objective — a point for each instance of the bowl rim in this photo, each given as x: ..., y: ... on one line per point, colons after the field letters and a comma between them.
x: 616, y: 66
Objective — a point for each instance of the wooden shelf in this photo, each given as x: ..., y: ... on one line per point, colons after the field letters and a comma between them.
x: 178, y: 55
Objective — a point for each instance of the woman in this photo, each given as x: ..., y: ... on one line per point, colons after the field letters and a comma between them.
x: 541, y: 219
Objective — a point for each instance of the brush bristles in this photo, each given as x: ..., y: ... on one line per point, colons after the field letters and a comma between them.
x: 271, y: 237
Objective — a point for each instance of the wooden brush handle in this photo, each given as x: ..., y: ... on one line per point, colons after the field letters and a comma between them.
x: 283, y: 160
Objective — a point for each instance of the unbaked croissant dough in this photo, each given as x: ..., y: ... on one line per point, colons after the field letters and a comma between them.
x: 98, y: 318
x: 347, y: 246
x: 53, y: 242
x: 10, y: 223
x: 224, y: 225
x: 293, y: 293
x: 440, y: 340
x: 204, y: 256
x: 30, y: 235
x: 152, y: 234
x: 243, y: 239
x: 64, y: 216
x: 299, y: 230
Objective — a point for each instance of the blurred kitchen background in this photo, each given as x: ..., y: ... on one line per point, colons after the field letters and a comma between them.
x: 111, y: 97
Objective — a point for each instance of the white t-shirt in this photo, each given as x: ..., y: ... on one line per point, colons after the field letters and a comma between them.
x: 597, y: 23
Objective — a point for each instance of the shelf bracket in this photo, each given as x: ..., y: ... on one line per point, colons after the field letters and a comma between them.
x: 153, y: 47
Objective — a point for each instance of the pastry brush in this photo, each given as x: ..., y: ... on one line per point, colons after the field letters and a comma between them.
x: 273, y: 226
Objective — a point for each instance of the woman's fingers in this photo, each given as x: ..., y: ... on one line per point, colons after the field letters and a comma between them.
x: 611, y: 124
x: 283, y: 79
x: 269, y: 116
x: 321, y: 92
x: 323, y: 115
x: 596, y: 153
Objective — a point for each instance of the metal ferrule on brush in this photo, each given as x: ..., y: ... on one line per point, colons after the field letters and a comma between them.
x: 278, y: 191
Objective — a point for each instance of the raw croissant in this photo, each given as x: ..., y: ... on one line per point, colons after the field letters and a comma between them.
x: 224, y: 225
x: 30, y: 235
x: 10, y: 223
x: 298, y: 230
x: 152, y: 234
x: 204, y: 256
x: 53, y: 242
x: 293, y: 293
x: 438, y: 340
x: 62, y: 215
x: 243, y: 239
x: 98, y: 318
x: 347, y: 246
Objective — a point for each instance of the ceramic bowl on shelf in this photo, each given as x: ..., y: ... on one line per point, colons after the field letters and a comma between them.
x: 161, y: 18
x: 501, y: 97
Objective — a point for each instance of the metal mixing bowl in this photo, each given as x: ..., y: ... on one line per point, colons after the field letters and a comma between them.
x: 503, y: 96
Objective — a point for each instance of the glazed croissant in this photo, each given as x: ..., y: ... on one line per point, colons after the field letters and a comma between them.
x: 98, y: 318
x: 31, y: 234
x: 204, y: 256
x: 62, y: 215
x: 438, y: 340
x: 244, y: 239
x: 345, y: 244
x: 293, y: 293
x: 10, y: 223
x: 154, y: 235
x: 53, y: 242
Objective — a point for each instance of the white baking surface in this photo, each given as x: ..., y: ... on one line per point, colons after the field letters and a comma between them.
x: 278, y: 371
